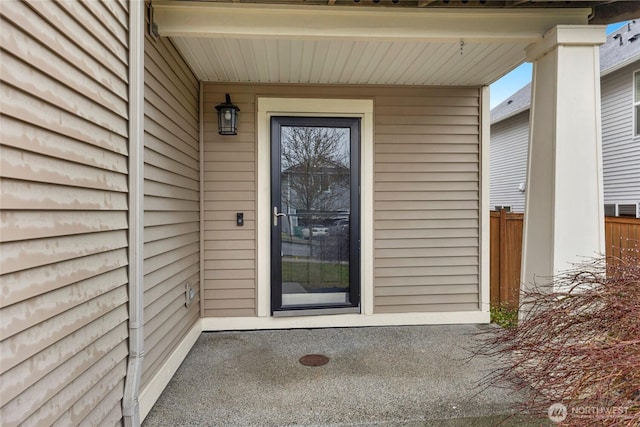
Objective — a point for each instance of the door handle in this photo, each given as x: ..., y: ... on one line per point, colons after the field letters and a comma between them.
x: 277, y: 214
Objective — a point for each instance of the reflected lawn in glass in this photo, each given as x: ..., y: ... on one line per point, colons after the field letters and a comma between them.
x: 316, y: 276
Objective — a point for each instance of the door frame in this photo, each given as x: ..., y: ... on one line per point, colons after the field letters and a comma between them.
x: 313, y: 107
x: 355, y: 126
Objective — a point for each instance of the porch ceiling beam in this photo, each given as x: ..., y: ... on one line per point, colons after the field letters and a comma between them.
x: 229, y: 20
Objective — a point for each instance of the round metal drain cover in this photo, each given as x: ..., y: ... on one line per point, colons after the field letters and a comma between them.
x: 314, y: 360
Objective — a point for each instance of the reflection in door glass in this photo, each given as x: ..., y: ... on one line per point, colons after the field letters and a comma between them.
x: 315, y: 193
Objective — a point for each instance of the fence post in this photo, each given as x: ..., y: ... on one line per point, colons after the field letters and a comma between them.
x: 495, y: 258
x: 504, y: 282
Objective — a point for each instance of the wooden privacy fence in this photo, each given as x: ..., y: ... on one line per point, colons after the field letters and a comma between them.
x: 622, y: 237
x: 505, y: 254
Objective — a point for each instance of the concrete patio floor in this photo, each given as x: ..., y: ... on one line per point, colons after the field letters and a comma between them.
x: 416, y: 375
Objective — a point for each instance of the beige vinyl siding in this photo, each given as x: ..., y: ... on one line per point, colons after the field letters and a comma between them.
x: 426, y: 196
x: 229, y: 187
x: 509, y: 151
x: 63, y: 124
x: 171, y: 203
x: 620, y: 150
x: 426, y: 200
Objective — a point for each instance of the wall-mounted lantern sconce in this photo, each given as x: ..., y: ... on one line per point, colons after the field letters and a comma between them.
x: 227, y: 117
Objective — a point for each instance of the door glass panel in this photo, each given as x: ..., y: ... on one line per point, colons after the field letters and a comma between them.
x: 315, y: 195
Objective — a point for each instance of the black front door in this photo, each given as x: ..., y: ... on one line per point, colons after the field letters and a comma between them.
x: 315, y: 224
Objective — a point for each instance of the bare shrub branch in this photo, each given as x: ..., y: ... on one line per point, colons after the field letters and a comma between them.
x: 578, y: 343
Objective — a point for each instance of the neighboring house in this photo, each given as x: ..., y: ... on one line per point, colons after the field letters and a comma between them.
x: 323, y: 187
x: 129, y: 225
x: 620, y: 94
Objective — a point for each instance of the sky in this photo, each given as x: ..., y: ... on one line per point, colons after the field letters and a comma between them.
x: 510, y: 83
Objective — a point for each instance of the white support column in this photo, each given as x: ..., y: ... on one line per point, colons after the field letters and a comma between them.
x: 564, y: 213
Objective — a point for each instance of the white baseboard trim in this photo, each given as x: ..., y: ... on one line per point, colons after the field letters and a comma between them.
x: 344, y: 320
x: 150, y: 394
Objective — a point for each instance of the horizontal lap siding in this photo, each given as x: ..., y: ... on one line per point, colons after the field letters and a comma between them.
x: 229, y: 187
x: 426, y: 201
x: 171, y: 203
x: 426, y: 197
x: 620, y: 150
x: 509, y: 151
x: 64, y: 125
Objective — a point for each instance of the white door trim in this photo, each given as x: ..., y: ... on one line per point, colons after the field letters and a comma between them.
x: 313, y: 107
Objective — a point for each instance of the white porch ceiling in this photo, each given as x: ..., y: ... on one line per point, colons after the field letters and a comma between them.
x: 348, y: 62
x: 273, y: 44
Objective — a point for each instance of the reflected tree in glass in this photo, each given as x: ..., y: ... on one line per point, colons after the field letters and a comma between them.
x: 315, y: 169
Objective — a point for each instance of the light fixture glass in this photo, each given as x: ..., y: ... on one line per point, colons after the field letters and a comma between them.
x: 227, y: 117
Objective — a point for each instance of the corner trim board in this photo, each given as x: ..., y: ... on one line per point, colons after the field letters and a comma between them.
x: 485, y: 234
x: 202, y: 195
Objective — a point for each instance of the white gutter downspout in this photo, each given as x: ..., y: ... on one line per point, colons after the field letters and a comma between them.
x: 130, y: 404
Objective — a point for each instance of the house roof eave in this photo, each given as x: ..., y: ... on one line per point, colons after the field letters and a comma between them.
x: 628, y: 61
x: 511, y: 114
